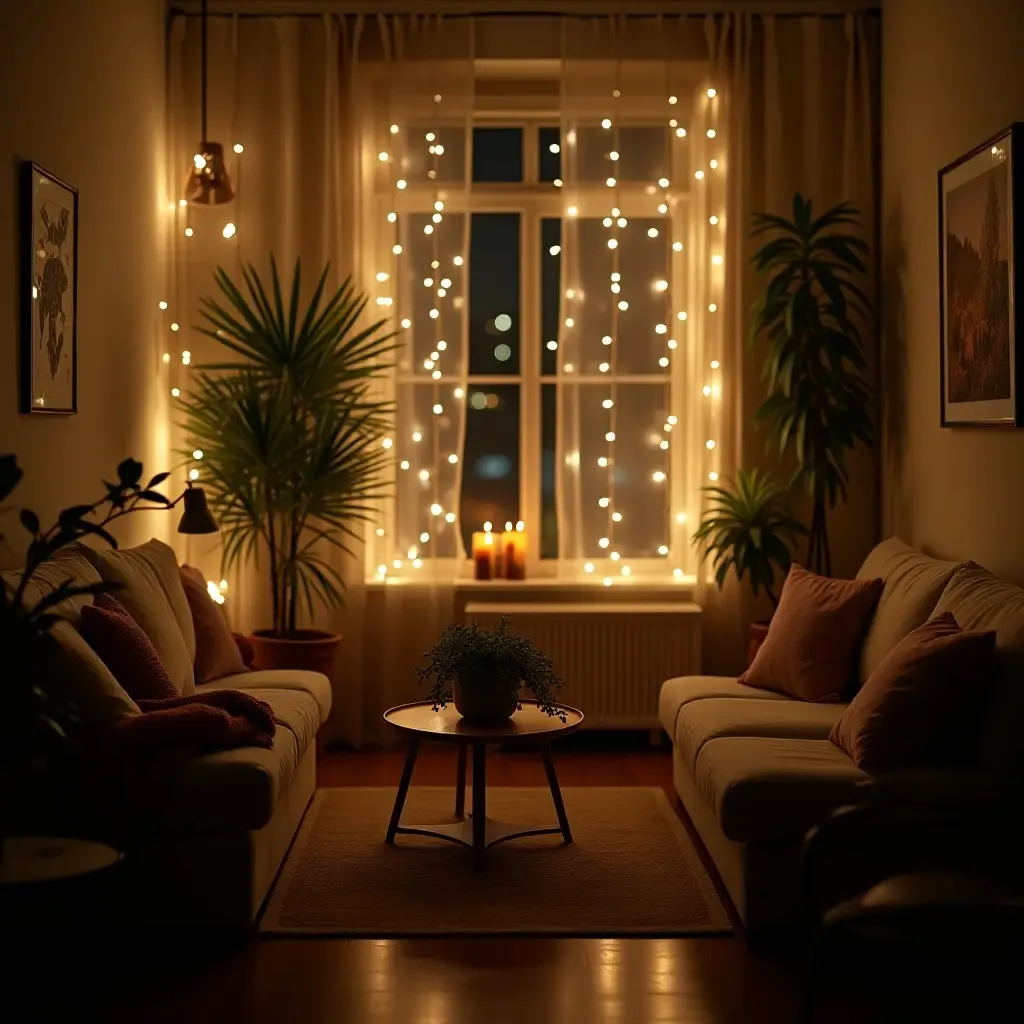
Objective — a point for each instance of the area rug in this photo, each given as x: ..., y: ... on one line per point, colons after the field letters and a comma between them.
x: 631, y: 870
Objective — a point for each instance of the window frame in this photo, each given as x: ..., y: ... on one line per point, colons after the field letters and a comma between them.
x: 535, y: 200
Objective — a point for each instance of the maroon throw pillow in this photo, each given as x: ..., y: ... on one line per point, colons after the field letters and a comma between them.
x: 814, y: 636
x: 906, y: 713
x: 125, y: 649
x: 217, y: 654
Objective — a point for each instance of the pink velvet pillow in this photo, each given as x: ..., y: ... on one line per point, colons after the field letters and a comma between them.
x: 217, y: 654
x: 125, y: 649
x: 814, y: 635
x: 909, y: 705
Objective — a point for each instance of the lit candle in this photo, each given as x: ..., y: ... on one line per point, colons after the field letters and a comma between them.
x: 483, y: 555
x: 514, y: 545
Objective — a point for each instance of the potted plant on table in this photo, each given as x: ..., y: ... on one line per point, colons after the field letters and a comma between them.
x: 748, y: 528
x: 486, y: 671
x: 37, y: 717
x: 818, y: 402
x: 291, y: 435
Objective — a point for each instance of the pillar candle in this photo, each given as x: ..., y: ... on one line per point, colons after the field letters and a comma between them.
x: 483, y: 555
x: 514, y: 545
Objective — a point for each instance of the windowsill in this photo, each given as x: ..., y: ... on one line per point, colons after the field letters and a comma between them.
x: 685, y: 588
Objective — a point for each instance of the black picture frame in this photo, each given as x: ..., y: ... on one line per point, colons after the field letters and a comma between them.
x: 965, y: 190
x: 49, y: 293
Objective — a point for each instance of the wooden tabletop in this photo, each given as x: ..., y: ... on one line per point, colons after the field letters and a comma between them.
x: 529, y: 724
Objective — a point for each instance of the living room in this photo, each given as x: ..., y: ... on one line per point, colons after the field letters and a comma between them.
x: 556, y: 375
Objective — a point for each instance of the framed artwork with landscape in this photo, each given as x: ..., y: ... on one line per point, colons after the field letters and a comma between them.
x: 49, y: 293
x: 981, y: 235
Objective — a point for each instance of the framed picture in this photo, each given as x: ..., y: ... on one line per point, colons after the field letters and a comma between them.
x: 981, y: 236
x: 49, y: 293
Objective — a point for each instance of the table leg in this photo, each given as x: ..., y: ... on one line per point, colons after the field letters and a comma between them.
x: 479, y: 804
x: 556, y: 793
x: 460, y: 783
x: 403, y: 789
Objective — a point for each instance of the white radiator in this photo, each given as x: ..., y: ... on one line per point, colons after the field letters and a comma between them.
x: 613, y: 657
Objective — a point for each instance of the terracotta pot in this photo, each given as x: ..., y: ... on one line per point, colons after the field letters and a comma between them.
x: 483, y: 704
x: 309, y: 650
x: 758, y: 633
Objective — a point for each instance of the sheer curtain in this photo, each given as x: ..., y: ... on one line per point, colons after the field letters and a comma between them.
x: 643, y: 263
x: 799, y: 102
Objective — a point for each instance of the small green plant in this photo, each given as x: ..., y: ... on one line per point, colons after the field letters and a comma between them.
x: 495, y: 658
x: 748, y: 528
x: 818, y: 403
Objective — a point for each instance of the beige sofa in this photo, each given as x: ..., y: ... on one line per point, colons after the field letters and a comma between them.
x: 756, y: 771
x: 203, y: 837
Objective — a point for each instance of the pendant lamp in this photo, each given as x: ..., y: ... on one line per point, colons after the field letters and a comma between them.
x: 208, y: 183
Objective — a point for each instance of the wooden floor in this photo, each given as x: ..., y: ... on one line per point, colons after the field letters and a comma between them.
x: 491, y: 981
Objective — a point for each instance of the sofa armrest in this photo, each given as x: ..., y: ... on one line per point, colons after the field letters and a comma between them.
x: 858, y: 846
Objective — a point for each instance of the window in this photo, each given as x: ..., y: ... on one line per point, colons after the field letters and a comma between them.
x: 540, y: 271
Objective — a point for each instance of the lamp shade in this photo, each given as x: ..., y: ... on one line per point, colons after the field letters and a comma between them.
x: 208, y: 182
x: 197, y: 517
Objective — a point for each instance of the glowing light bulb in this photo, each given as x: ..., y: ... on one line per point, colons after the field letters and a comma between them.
x: 589, y: 567
x: 672, y: 343
x: 706, y: 390
x: 457, y: 261
x: 663, y: 446
x: 453, y: 458
x: 681, y: 133
x: 615, y: 556
x: 554, y: 250
x: 392, y: 217
x: 712, y: 220
x: 716, y: 259
x: 424, y: 475
x: 712, y: 307
x: 626, y: 570
x: 175, y: 392
x: 663, y: 362
x: 610, y: 182
x: 162, y: 304
x: 661, y: 328
x: 428, y: 229
x: 557, y: 183
x: 572, y: 211
x: 189, y: 232
x: 662, y: 207
x: 434, y: 314
x: 449, y: 517
x: 715, y: 364
x: 602, y: 462
x: 404, y: 464
x: 672, y: 122
x: 174, y: 327
x: 193, y: 474
x: 712, y: 94
x: 407, y: 323
x: 712, y: 476
x: 397, y: 563
x: 607, y: 222
x: 672, y: 420
x: 607, y: 403
x: 396, y: 249
x: 386, y: 443
x: 623, y: 305
x: 416, y: 437
x: 383, y: 156
x: 658, y: 476
x: 613, y: 243
x: 663, y: 549
x: 401, y: 183
x: 711, y: 133
x: 603, y: 502
x: 699, y: 175
x: 238, y: 147
x: 616, y: 289
x: 714, y: 165
x: 166, y: 357
x: 438, y: 409
x: 436, y: 218
x: 603, y: 542
x: 616, y: 517
x: 607, y: 581
x: 606, y: 123
x: 186, y: 357
x: 382, y: 570
x: 616, y: 276
x: 459, y: 393
x: 663, y: 182
x: 677, y: 246
x: 610, y: 436
x: 652, y: 232
x: 613, y: 155
x: 606, y: 340
x: 604, y: 367
x: 199, y: 160
x: 197, y: 454
x: 622, y: 222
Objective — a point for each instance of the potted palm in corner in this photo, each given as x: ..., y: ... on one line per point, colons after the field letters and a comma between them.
x: 291, y: 435
x: 747, y: 528
x: 818, y: 402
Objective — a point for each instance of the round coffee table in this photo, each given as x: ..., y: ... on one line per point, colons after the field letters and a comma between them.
x: 477, y: 831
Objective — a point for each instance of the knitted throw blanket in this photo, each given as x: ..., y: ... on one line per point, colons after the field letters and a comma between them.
x: 199, y: 723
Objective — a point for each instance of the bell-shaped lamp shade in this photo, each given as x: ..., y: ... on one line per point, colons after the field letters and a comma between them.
x: 197, y: 517
x: 208, y: 183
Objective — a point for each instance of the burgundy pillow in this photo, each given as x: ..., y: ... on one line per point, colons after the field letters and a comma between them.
x: 217, y: 654
x: 909, y: 705
x: 814, y: 636
x: 125, y: 649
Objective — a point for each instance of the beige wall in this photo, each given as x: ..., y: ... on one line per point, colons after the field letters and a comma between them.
x: 952, y: 77
x: 83, y: 88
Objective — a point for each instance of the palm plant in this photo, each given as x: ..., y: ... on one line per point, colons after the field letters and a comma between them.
x: 290, y: 431
x: 748, y: 528
x: 818, y: 399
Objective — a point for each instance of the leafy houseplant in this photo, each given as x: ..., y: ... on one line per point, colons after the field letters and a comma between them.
x: 818, y: 399
x: 291, y: 439
x: 748, y: 528
x: 487, y: 670
x: 36, y: 721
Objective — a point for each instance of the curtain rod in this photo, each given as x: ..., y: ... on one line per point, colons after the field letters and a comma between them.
x: 504, y: 8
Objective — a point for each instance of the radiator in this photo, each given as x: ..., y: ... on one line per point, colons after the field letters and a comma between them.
x: 613, y: 657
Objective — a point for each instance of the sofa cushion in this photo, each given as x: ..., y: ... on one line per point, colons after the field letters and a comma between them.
x: 217, y: 654
x: 980, y: 601
x: 67, y: 566
x: 774, y: 789
x: 905, y: 714
x: 318, y: 686
x: 913, y: 583
x: 678, y: 692
x: 226, y: 792
x: 125, y: 649
x: 715, y: 717
x: 814, y: 636
x: 153, y: 596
